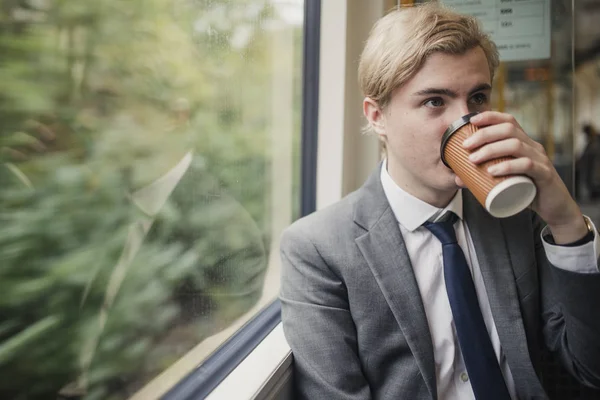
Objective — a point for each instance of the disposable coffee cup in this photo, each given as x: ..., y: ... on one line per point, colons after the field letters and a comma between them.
x: 501, y: 196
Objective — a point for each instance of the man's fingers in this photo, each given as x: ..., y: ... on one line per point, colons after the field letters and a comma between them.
x: 538, y: 171
x: 490, y: 134
x: 493, y: 118
x: 511, y: 147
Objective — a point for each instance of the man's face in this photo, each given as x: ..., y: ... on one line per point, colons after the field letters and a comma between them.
x: 446, y: 88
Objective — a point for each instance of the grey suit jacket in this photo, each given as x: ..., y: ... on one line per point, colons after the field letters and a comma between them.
x: 354, y: 319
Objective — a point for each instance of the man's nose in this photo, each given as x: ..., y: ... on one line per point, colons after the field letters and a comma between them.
x: 457, y: 110
x: 462, y: 108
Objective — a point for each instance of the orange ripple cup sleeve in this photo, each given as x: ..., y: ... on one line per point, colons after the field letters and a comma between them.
x: 501, y: 196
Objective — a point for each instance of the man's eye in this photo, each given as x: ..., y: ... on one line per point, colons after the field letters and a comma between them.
x: 435, y: 102
x: 479, y: 99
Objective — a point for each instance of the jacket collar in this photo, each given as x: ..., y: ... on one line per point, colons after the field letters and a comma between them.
x: 412, y: 212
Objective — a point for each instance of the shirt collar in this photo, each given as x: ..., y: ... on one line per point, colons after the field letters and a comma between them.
x: 412, y: 212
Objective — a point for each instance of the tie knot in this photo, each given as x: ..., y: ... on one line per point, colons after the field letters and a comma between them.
x: 444, y: 230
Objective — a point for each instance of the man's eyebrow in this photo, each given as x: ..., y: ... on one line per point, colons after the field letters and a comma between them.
x: 450, y: 93
x: 438, y: 91
x: 480, y: 88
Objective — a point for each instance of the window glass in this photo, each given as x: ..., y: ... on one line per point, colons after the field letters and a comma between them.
x: 148, y: 163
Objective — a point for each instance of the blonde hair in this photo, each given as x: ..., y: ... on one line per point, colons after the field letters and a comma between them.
x: 401, y: 41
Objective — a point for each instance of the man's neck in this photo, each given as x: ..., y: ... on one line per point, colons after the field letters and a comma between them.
x: 406, y: 182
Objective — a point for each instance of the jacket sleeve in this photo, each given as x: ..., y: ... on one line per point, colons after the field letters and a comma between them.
x: 318, y: 325
x: 570, y: 304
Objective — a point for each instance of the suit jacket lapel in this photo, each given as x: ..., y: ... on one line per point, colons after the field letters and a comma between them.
x: 499, y: 279
x: 383, y: 248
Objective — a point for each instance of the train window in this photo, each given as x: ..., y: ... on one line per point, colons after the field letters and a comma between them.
x: 149, y: 159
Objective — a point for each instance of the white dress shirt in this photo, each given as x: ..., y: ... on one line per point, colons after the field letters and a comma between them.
x: 425, y: 253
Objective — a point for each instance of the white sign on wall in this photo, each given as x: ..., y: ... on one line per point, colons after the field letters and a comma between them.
x: 520, y: 28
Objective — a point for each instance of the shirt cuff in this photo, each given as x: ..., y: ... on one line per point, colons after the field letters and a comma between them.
x: 581, y: 259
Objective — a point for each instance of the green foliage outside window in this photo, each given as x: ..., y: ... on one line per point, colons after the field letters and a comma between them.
x: 98, y: 99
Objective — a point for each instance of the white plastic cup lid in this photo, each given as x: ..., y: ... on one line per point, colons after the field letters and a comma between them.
x: 510, y: 197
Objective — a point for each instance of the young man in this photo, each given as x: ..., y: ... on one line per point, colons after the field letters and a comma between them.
x: 374, y: 306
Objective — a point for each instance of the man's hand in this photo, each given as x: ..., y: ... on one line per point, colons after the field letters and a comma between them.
x: 500, y: 135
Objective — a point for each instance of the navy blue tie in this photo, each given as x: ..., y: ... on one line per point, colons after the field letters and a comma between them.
x: 475, y: 344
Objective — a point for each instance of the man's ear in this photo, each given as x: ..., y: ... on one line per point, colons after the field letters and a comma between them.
x: 374, y: 115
